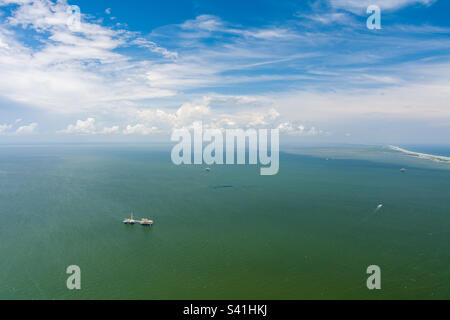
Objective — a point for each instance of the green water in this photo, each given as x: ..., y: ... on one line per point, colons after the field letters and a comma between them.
x: 309, y: 232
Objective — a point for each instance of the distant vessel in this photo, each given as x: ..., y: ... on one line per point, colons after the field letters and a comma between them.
x: 129, y: 220
x: 146, y: 222
x: 403, y: 170
x: 208, y: 169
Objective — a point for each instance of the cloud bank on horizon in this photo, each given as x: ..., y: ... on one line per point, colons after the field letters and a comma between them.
x: 312, y: 70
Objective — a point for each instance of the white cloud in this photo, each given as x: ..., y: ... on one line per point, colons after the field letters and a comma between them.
x: 204, y: 25
x: 256, y: 113
x: 153, y: 47
x: 271, y: 33
x: 84, y: 73
x: 419, y: 29
x: 190, y: 111
x: 360, y: 6
x: 29, y: 129
x: 4, y: 128
x: 328, y: 18
x: 82, y: 127
x: 70, y: 72
x: 88, y: 127
x: 204, y: 22
x: 293, y: 129
x: 7, y: 129
x: 111, y: 130
x: 166, y: 120
x: 407, y: 101
x: 139, y: 129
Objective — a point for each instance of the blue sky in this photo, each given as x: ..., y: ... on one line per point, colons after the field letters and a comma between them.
x: 135, y: 70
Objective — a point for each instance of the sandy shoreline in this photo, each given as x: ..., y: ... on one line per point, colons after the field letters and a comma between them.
x: 421, y: 155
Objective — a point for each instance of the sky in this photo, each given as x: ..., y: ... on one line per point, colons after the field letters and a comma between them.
x: 136, y: 70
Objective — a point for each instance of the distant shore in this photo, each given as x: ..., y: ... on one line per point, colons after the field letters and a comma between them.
x: 422, y: 155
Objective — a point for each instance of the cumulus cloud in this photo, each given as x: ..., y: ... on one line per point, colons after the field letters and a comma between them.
x: 88, y: 127
x: 295, y: 129
x: 82, y: 127
x: 167, y: 120
x: 210, y: 111
x: 139, y: 129
x: 29, y: 129
x: 8, y: 129
x: 110, y: 130
x: 213, y: 111
x: 5, y: 127
x: 189, y: 111
x: 204, y: 22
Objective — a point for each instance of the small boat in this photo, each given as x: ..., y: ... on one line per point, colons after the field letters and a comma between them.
x: 146, y: 222
x: 129, y: 220
x: 208, y: 169
x: 403, y: 170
